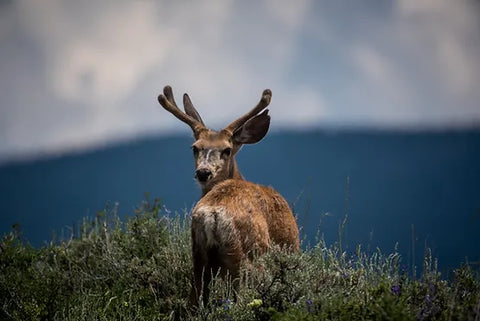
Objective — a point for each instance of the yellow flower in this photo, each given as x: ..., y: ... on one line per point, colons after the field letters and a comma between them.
x: 255, y: 303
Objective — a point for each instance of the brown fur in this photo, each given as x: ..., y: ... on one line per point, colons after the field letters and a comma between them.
x: 235, y: 219
x: 257, y: 216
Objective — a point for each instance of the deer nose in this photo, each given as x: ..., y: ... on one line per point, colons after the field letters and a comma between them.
x: 203, y: 174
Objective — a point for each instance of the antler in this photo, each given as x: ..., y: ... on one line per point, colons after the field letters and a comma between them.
x: 168, y: 102
x: 190, y: 110
x: 262, y: 104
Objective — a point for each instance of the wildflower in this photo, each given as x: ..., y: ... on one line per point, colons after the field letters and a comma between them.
x: 125, y: 303
x: 432, y: 288
x: 309, y: 306
x: 396, y: 290
x: 255, y: 303
x: 428, y: 299
x: 225, y: 303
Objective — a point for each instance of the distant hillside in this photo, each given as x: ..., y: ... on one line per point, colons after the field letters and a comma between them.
x: 386, y: 183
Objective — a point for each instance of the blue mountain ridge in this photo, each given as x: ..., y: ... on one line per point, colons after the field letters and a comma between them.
x: 393, y: 187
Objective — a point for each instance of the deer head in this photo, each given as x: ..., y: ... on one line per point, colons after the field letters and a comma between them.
x: 214, y: 151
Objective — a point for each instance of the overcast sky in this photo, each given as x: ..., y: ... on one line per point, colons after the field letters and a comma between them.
x: 77, y: 74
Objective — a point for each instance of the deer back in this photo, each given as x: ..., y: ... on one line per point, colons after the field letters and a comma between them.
x: 245, y: 217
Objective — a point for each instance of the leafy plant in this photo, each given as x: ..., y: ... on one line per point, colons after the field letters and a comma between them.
x: 140, y: 269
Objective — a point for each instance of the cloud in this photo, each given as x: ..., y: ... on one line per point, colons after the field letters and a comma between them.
x: 102, y: 65
x: 95, y: 59
x: 381, y: 73
x: 419, y: 67
x: 448, y: 33
x: 80, y: 74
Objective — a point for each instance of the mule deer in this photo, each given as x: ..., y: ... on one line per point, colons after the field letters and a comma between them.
x: 234, y: 219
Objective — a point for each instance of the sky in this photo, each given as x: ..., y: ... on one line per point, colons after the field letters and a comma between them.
x: 83, y: 74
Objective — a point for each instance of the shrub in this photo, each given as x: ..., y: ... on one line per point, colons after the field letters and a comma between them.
x: 140, y: 269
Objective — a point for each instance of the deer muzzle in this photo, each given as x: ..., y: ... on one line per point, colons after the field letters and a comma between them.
x: 203, y: 174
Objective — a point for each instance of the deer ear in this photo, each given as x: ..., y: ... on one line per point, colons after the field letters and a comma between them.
x: 253, y: 130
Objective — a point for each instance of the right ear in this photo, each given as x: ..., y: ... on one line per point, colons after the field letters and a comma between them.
x: 253, y: 130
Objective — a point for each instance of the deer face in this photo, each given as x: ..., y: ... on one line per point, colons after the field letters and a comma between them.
x: 214, y: 151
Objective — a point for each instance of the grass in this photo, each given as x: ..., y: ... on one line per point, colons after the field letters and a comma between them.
x: 140, y: 269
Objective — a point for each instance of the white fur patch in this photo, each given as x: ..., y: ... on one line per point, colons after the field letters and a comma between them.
x: 216, y: 224
x: 211, y: 159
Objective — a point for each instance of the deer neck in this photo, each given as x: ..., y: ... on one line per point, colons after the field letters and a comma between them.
x: 233, y: 173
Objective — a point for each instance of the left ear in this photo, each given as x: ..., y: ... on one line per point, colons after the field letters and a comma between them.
x: 253, y: 130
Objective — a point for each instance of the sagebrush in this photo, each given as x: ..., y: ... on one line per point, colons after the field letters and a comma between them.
x: 140, y: 269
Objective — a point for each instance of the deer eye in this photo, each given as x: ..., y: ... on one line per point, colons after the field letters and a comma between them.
x: 195, y: 150
x: 227, y: 151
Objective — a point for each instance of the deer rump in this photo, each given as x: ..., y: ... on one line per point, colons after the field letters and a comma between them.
x: 237, y: 220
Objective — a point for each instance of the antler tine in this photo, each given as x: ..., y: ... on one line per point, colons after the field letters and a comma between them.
x: 168, y: 102
x: 262, y: 104
x: 168, y: 92
x: 190, y: 110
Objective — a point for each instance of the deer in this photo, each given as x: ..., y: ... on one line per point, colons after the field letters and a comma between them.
x: 235, y: 219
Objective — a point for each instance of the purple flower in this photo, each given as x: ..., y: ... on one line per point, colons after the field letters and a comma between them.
x: 396, y: 290
x: 227, y: 304
x: 432, y: 288
x: 309, y: 306
x: 428, y: 299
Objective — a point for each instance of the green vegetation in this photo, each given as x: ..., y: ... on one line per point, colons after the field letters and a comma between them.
x: 140, y: 269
